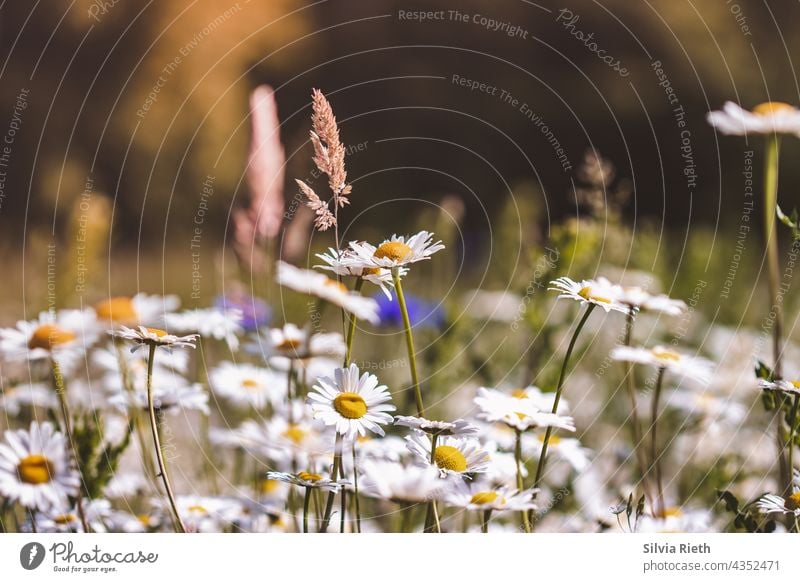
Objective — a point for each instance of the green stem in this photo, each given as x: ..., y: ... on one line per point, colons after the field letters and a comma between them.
x: 636, y: 428
x: 559, y: 388
x: 526, y: 524
x: 355, y: 488
x: 343, y: 499
x: 306, y: 502
x: 771, y: 155
x: 654, y: 458
x: 162, y: 468
x: 61, y: 390
x: 432, y: 513
x: 337, y: 460
x: 792, y: 432
x: 409, y: 341
x: 486, y: 516
x: 351, y: 329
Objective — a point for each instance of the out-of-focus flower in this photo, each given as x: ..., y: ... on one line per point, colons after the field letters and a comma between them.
x: 766, y: 118
x: 255, y: 312
x: 208, y: 323
x: 478, y: 497
x: 519, y: 413
x: 318, y: 285
x: 167, y: 398
x: 35, y: 469
x: 62, y: 335
x: 639, y: 298
x: 141, y: 309
x: 96, y: 511
x: 265, y: 166
x: 13, y: 398
x: 695, y: 368
x: 306, y: 479
x: 399, y: 483
x: 247, y: 385
x: 421, y: 313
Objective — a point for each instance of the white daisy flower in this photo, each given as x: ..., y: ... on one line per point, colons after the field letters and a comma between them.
x: 124, y: 522
x: 35, y: 468
x: 542, y: 400
x: 351, y: 403
x: 453, y: 455
x: 319, y: 285
x: 388, y: 448
x: 695, y: 368
x: 306, y: 479
x: 205, y: 514
x: 293, y: 342
x: 640, y: 299
x: 707, y: 405
x: 599, y: 292
x: 96, y: 511
x: 151, y: 336
x: 676, y: 520
x: 141, y: 309
x: 394, y: 252
x: 438, y: 427
x: 343, y: 264
x: 247, y: 385
x: 570, y: 450
x: 166, y: 398
x: 125, y: 485
x: 400, y: 484
x: 766, y: 118
x: 770, y: 503
x: 107, y: 358
x: 223, y: 325
x: 476, y: 496
x: 14, y: 398
x: 63, y: 335
x: 791, y: 387
x: 518, y: 413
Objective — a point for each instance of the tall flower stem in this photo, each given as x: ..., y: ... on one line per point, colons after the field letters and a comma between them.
x: 306, y: 503
x: 343, y: 498
x: 636, y: 428
x: 398, y: 287
x: 162, y: 468
x: 337, y: 461
x: 355, y: 488
x: 654, y: 457
x: 559, y: 389
x: 771, y: 163
x: 526, y: 524
x: 432, y: 513
x: 351, y: 328
x: 61, y: 390
x: 486, y: 516
x: 792, y: 433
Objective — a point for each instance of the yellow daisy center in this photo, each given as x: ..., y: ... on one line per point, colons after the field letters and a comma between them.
x: 672, y: 512
x: 393, y: 250
x: 795, y: 383
x: 554, y: 439
x: 269, y: 486
x: 198, y: 509
x: 667, y: 355
x: 157, y: 332
x: 118, y: 309
x: 249, y: 383
x: 370, y: 271
x: 144, y: 519
x: 771, y: 107
x: 295, y: 434
x: 450, y: 458
x: 313, y: 477
x: 792, y: 503
x: 586, y: 293
x: 49, y: 336
x: 519, y: 393
x: 350, y: 405
x: 65, y: 518
x: 483, y: 497
x: 289, y: 344
x: 35, y: 470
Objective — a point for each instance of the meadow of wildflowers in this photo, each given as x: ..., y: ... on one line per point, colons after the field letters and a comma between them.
x: 350, y: 392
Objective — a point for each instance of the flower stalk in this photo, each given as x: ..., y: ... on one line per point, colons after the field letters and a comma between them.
x: 409, y: 340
